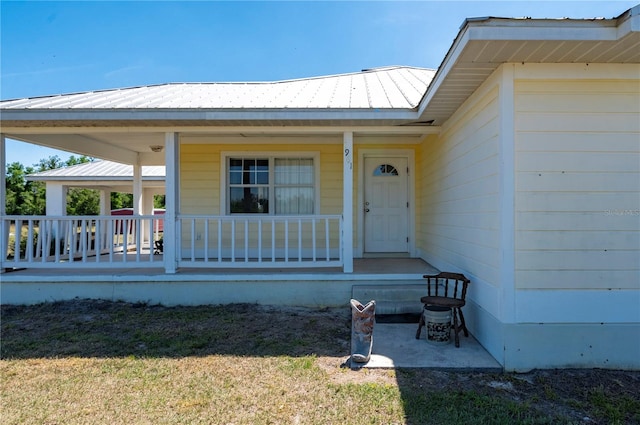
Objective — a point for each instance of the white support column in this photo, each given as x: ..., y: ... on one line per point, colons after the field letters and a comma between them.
x: 137, y: 194
x: 172, y: 161
x: 56, y: 199
x: 105, y: 202
x: 147, y: 209
x: 347, y: 202
x: 4, y: 227
x: 137, y: 189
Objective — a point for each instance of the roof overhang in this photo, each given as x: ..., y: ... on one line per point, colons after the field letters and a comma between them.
x: 483, y: 44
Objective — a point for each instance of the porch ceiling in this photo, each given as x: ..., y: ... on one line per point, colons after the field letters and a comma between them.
x: 130, y: 144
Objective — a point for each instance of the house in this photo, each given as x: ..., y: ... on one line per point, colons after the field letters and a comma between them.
x: 515, y: 163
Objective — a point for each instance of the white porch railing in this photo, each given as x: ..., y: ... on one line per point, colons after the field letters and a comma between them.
x: 79, y: 242
x: 203, y: 241
x: 253, y: 242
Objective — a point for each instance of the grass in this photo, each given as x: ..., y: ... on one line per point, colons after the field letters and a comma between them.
x: 116, y: 363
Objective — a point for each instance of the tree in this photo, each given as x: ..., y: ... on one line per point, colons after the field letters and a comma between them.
x: 25, y: 197
x: 22, y: 196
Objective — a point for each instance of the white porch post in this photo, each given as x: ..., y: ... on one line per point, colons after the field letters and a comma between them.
x: 147, y: 209
x: 137, y: 189
x: 4, y: 227
x: 347, y: 202
x: 172, y: 158
x: 137, y: 194
x: 105, y: 202
x: 56, y: 199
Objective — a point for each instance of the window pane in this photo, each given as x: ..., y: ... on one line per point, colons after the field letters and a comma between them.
x: 293, y: 171
x: 306, y: 171
x: 249, y: 200
x: 385, y: 170
x: 235, y: 171
x: 248, y: 176
x: 294, y: 200
x: 286, y: 171
x: 262, y: 171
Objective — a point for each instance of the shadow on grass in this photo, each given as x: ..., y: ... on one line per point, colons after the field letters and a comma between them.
x: 88, y: 328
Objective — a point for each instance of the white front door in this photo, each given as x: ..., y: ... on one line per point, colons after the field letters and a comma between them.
x: 386, y: 205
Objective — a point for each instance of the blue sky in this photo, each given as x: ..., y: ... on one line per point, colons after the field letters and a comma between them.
x: 63, y: 47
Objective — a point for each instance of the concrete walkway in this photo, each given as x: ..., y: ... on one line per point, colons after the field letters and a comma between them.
x: 395, y: 345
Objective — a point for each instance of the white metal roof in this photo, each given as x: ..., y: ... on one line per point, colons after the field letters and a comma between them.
x: 99, y: 170
x: 383, y: 88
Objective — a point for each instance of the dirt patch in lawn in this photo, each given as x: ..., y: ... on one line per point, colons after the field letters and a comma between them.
x: 102, y: 329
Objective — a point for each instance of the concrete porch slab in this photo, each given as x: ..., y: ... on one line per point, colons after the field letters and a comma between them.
x: 395, y: 345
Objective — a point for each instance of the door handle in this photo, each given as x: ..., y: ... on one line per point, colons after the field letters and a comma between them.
x: 366, y: 210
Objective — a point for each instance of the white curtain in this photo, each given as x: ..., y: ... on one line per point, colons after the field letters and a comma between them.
x: 294, y: 186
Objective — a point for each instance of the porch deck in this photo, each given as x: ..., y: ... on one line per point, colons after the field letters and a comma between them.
x: 312, y: 287
x: 363, y: 269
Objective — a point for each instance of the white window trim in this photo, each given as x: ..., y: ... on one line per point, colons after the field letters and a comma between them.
x: 270, y: 155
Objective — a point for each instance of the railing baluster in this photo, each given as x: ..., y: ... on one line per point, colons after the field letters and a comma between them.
x: 273, y: 240
x: 17, y: 232
x: 56, y: 241
x: 233, y: 241
x: 46, y: 240
x: 206, y: 240
x: 246, y: 240
x: 313, y: 239
x: 219, y: 240
x: 259, y: 241
x: 326, y: 241
x: 125, y: 239
x: 28, y: 252
x: 299, y: 240
x: 98, y: 239
x: 193, y: 239
x: 83, y: 240
x: 111, y: 235
x: 286, y: 240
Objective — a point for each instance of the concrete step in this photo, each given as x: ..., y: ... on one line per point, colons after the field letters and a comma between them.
x: 392, y: 299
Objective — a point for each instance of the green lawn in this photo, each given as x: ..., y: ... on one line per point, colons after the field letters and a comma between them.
x: 115, y: 363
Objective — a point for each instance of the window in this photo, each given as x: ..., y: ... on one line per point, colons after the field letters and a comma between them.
x: 385, y: 170
x: 282, y: 186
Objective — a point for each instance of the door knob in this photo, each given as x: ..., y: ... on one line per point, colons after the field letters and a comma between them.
x: 366, y: 210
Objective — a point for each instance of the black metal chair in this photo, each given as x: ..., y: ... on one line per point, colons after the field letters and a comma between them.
x: 159, y: 247
x: 447, y: 290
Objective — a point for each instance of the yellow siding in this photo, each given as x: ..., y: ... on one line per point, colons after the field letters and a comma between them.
x: 200, y: 172
x: 577, y: 184
x: 458, y: 194
x: 199, y: 179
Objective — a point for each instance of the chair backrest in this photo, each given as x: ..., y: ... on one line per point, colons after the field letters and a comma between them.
x: 446, y: 284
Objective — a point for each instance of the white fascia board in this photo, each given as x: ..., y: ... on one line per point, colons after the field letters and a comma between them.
x: 448, y: 63
x: 544, y: 33
x: 103, y: 180
x: 14, y: 132
x: 204, y: 115
x: 631, y: 24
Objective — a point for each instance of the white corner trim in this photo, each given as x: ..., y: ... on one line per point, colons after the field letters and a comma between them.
x: 507, y: 193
